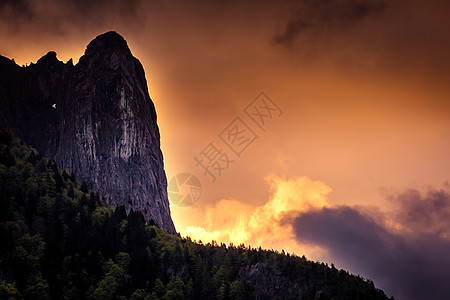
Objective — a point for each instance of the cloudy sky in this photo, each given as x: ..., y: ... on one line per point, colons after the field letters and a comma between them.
x: 344, y: 157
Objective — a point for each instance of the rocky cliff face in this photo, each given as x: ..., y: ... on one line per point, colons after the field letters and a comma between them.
x: 95, y: 119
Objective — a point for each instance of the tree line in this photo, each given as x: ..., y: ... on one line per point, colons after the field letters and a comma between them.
x: 60, y: 241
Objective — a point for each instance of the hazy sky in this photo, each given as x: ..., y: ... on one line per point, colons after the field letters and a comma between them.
x: 351, y: 165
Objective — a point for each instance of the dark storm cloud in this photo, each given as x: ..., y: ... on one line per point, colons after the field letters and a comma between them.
x: 401, y: 37
x: 58, y: 16
x: 14, y: 4
x: 15, y: 9
x: 430, y: 213
x: 316, y: 17
x: 410, y: 265
x: 89, y: 9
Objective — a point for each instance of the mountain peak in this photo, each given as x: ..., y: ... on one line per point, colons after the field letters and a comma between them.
x: 96, y: 120
x: 108, y: 41
x: 107, y: 51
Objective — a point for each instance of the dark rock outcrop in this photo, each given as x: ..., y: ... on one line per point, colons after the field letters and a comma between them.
x: 95, y: 119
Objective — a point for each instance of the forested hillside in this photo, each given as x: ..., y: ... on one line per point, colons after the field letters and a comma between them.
x: 59, y: 241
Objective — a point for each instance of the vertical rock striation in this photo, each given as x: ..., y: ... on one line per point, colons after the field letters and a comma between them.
x: 95, y: 119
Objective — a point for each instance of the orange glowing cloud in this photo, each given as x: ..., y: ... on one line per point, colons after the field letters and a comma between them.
x: 231, y: 221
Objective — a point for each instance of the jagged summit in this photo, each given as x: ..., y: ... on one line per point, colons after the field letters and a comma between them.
x: 95, y: 119
x: 107, y: 51
x: 108, y: 41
